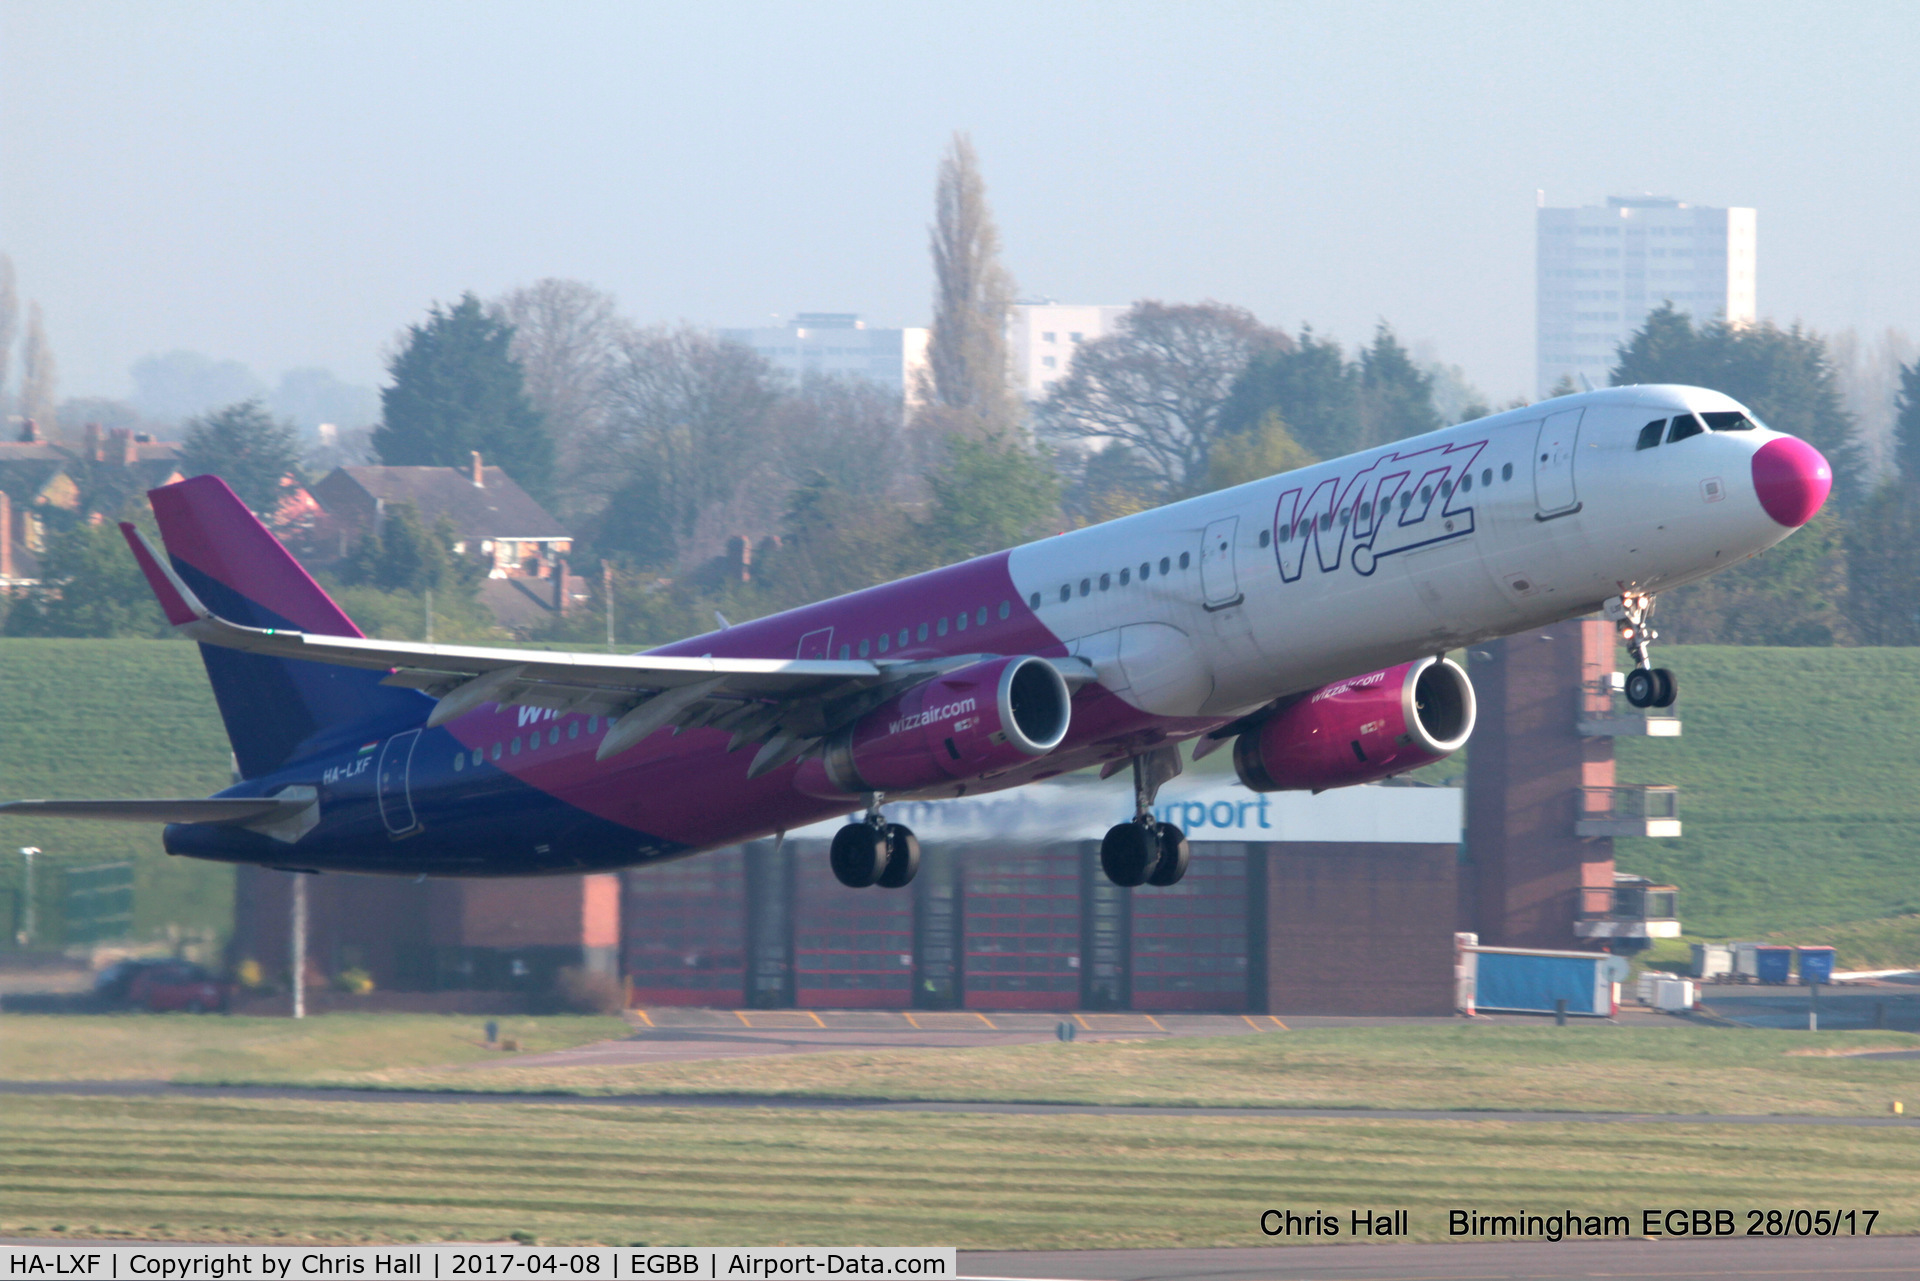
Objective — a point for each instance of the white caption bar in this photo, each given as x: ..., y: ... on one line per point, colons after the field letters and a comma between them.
x: 471, y: 1263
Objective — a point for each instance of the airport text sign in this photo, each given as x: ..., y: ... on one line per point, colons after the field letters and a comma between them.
x: 458, y: 1262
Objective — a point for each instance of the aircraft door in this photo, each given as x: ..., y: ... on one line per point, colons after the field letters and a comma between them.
x: 1218, y: 581
x: 817, y: 644
x: 393, y: 784
x: 1553, y: 453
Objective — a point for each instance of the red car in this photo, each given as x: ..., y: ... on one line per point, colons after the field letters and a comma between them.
x: 176, y: 985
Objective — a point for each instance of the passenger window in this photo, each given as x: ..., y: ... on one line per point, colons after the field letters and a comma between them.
x: 1486, y: 476
x: 1466, y: 482
x: 553, y: 736
x: 1146, y: 570
x: 459, y: 762
x: 960, y: 620
x: 1650, y: 434
x: 1033, y: 602
x: 1066, y: 592
x: 1106, y: 581
x: 515, y: 748
x: 573, y: 729
x: 1164, y: 564
x: 1426, y: 494
x: 1406, y: 500
x: 1126, y: 576
x: 1086, y: 586
x: 496, y: 751
x: 477, y: 754
x: 940, y: 628
x: 1366, y: 510
x: 1728, y: 420
x: 1506, y: 471
x: 885, y: 641
x: 866, y: 647
x: 921, y: 635
x: 1344, y: 512
x: 981, y: 617
x: 1326, y: 522
x: 1185, y: 560
x: 1684, y: 425
x: 903, y: 638
x: 1266, y: 536
x: 1006, y: 608
x: 1286, y: 533
x: 846, y: 652
x: 593, y: 724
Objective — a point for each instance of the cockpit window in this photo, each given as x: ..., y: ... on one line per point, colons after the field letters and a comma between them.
x: 1650, y: 434
x: 1684, y: 425
x: 1728, y: 420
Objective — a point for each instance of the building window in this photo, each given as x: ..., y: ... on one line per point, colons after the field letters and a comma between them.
x: 1047, y: 337
x: 1049, y: 362
x: 1074, y: 337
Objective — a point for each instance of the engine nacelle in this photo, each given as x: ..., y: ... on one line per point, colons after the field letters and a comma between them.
x: 974, y: 721
x: 1360, y: 730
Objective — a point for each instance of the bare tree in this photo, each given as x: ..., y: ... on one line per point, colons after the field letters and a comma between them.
x: 686, y: 427
x: 39, y: 379
x: 965, y: 387
x: 564, y: 337
x: 847, y: 429
x: 9, y: 325
x: 1157, y: 384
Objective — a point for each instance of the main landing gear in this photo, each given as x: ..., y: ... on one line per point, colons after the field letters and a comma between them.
x: 1146, y: 851
x: 1647, y: 685
x: 874, y: 852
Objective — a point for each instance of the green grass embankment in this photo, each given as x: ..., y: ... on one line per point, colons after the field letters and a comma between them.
x: 107, y: 718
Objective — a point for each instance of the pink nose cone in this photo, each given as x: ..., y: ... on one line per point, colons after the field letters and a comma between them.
x: 1791, y: 478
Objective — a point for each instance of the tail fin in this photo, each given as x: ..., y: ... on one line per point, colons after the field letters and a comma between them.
x: 274, y: 708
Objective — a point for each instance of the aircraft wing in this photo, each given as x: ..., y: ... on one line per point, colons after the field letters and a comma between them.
x: 787, y: 705
x: 235, y: 810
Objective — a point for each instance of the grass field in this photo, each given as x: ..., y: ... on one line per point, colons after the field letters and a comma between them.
x: 163, y: 1047
x: 1582, y: 1067
x: 110, y: 718
x: 1796, y: 776
x: 283, y: 1171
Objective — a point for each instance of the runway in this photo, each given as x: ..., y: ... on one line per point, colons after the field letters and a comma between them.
x: 1782, y: 1259
x: 168, y: 1089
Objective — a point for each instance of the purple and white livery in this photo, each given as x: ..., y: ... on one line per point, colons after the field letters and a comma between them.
x: 1304, y: 616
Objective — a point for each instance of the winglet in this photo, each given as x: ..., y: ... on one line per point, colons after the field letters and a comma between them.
x: 176, y: 598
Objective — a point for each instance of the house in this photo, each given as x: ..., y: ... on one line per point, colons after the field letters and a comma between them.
x: 93, y: 480
x: 491, y: 515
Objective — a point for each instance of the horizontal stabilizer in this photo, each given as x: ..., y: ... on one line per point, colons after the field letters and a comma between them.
x: 238, y: 810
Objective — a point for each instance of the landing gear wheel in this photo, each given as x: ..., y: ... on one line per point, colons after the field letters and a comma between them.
x: 859, y: 855
x: 1669, y: 688
x: 1643, y: 687
x: 1129, y: 854
x: 903, y: 857
x: 1174, y: 853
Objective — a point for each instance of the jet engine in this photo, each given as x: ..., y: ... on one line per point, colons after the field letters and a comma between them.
x: 1360, y: 730
x: 977, y: 720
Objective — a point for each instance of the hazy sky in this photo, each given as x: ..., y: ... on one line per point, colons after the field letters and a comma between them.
x: 288, y: 184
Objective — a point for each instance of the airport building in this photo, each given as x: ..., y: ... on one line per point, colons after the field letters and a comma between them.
x: 840, y: 343
x: 1042, y: 337
x: 1600, y: 269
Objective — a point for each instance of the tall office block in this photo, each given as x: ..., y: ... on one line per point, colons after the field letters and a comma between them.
x: 1601, y: 269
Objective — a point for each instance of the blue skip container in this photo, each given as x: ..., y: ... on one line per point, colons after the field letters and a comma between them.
x: 1816, y: 964
x: 1773, y: 964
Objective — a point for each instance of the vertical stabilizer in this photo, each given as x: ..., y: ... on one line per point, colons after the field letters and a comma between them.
x: 274, y: 708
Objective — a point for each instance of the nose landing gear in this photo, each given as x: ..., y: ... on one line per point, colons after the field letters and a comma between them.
x: 874, y: 852
x: 1647, y: 685
x: 1146, y: 851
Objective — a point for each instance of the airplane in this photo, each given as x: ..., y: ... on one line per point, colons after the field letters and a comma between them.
x: 1304, y: 618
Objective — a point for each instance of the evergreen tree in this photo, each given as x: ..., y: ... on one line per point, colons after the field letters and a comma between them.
x: 456, y: 389
x: 1906, y: 424
x: 1310, y: 386
x: 1396, y: 395
x: 990, y: 495
x: 1883, y: 537
x: 403, y: 555
x: 248, y: 448
x: 1267, y: 450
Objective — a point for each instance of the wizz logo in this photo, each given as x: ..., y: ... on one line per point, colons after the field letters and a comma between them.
x: 1395, y: 503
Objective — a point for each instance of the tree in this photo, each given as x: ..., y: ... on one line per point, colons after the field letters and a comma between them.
x: 39, y: 381
x: 1790, y: 595
x: 1883, y: 537
x: 457, y: 389
x: 403, y: 555
x: 1159, y: 384
x: 1396, y: 396
x: 248, y: 448
x: 990, y: 495
x: 845, y: 427
x: 93, y: 587
x: 1313, y: 388
x: 1267, y: 450
x: 1784, y: 375
x: 9, y: 325
x: 687, y: 423
x: 965, y: 387
x: 565, y: 334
